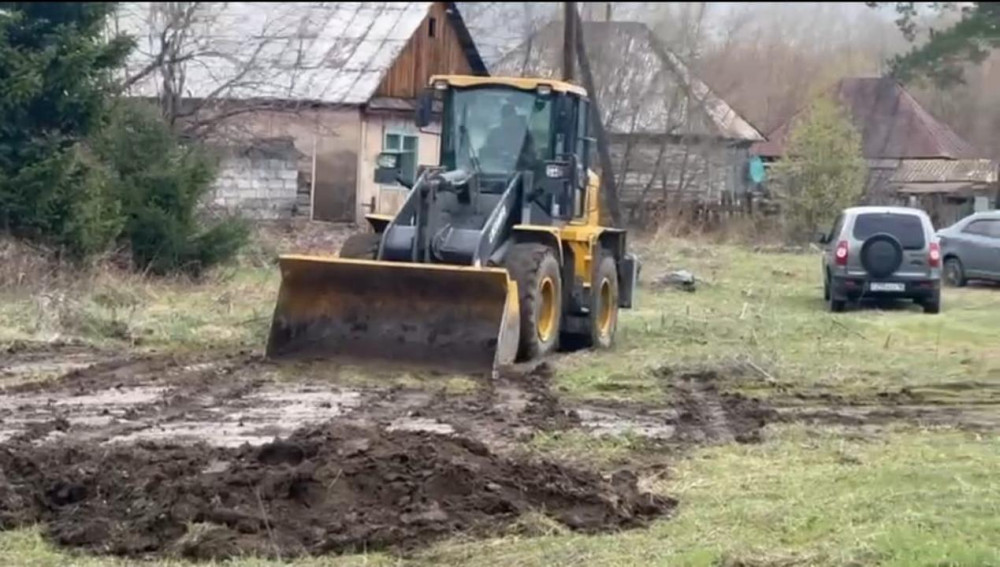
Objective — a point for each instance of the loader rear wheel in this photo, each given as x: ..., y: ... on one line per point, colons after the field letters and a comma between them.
x: 363, y: 246
x: 536, y: 270
x: 602, y: 318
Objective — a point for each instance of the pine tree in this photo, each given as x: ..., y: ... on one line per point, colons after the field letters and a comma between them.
x: 944, y: 55
x: 56, y: 71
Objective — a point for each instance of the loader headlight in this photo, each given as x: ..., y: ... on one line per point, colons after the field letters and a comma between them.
x: 555, y: 170
x: 441, y: 85
x: 544, y: 90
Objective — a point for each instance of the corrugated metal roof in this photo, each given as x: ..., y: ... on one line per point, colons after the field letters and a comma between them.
x: 330, y: 52
x: 946, y: 170
x: 892, y: 124
x: 642, y: 86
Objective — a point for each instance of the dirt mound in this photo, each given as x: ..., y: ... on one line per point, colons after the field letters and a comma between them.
x: 326, y: 490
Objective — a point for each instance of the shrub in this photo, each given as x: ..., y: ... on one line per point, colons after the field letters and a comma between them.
x: 160, y: 184
x: 822, y: 172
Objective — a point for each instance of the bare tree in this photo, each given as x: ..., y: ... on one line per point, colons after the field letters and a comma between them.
x: 502, y: 27
x: 768, y: 59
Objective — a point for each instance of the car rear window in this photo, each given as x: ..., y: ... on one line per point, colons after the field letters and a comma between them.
x: 908, y: 229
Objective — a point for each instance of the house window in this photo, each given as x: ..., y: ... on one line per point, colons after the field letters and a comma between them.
x: 431, y: 27
x: 406, y: 146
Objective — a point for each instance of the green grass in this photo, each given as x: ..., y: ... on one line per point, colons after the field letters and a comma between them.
x: 766, y: 313
x: 806, y: 497
x: 28, y: 548
x: 231, y: 309
x: 581, y: 448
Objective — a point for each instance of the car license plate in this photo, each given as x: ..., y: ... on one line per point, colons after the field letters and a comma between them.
x: 887, y: 286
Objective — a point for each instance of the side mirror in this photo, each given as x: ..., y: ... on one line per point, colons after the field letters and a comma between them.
x: 425, y: 107
x: 387, y: 168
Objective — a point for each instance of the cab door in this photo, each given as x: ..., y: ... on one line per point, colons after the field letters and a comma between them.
x: 584, y: 196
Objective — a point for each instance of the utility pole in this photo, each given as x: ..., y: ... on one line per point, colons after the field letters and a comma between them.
x: 607, y: 12
x: 570, y: 19
x: 608, y: 189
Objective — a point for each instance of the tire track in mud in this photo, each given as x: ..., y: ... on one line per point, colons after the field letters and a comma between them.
x: 709, y: 415
x: 702, y: 412
x: 232, y: 399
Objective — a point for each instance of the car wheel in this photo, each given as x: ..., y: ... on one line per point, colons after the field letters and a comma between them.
x: 932, y: 305
x: 836, y: 305
x: 826, y: 288
x: 954, y: 272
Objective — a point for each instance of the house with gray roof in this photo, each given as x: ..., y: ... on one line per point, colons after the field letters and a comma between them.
x: 339, y: 79
x: 671, y: 136
x: 913, y: 158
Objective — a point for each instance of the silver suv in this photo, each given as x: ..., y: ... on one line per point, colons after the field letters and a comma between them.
x: 882, y: 252
x: 971, y: 248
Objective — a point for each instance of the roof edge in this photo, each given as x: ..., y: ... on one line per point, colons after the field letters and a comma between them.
x: 687, y: 77
x: 465, y: 39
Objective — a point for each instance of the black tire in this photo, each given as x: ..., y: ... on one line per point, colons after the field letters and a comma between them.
x: 954, y: 272
x: 932, y: 306
x: 836, y: 305
x: 535, y: 268
x: 362, y: 246
x: 604, y: 302
x: 881, y: 255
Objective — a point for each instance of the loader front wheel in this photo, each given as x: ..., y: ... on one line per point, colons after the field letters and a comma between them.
x: 363, y: 246
x: 536, y: 270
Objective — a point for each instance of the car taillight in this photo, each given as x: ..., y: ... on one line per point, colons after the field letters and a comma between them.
x: 841, y: 253
x: 934, y: 257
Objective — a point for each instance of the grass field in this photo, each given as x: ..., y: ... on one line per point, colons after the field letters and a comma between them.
x: 904, y: 491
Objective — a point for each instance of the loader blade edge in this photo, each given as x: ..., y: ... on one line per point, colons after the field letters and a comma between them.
x: 448, y: 318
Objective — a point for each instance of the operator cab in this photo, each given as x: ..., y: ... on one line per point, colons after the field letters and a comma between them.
x: 495, y: 129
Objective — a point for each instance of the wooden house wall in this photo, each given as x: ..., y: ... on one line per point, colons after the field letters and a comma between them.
x: 704, y: 171
x: 425, y: 56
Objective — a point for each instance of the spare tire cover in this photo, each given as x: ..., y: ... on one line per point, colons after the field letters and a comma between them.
x: 881, y: 255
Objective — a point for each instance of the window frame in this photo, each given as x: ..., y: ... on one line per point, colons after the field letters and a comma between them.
x: 911, y: 218
x: 990, y: 225
x: 581, y: 148
x: 402, y: 136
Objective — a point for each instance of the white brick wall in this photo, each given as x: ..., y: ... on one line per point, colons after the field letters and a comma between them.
x: 261, y: 188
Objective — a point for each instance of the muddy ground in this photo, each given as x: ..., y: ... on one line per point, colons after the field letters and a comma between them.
x: 213, y: 455
x: 321, y: 490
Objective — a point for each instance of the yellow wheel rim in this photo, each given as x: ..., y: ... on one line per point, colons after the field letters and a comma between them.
x: 547, y: 310
x: 604, y: 317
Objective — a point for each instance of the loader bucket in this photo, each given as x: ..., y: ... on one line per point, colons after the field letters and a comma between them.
x: 449, y: 318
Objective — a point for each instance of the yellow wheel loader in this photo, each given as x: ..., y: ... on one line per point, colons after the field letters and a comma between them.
x: 497, y: 254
